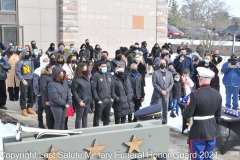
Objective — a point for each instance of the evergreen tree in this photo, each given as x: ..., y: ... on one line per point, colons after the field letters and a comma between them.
x: 174, y: 14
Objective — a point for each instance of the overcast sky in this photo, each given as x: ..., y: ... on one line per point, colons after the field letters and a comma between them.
x: 233, y: 4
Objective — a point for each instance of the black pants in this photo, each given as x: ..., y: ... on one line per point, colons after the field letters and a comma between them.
x: 137, y: 105
x: 59, y: 114
x: 49, y: 117
x: 13, y: 93
x: 120, y: 120
x: 40, y: 110
x: 66, y: 123
x: 103, y: 108
x: 26, y: 92
x: 3, y: 94
x: 81, y: 115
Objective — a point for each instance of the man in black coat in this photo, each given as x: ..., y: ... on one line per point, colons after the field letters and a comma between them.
x: 216, y: 57
x: 4, y: 67
x: 90, y: 48
x: 204, y: 107
x: 102, y: 89
x: 138, y: 89
x: 104, y: 58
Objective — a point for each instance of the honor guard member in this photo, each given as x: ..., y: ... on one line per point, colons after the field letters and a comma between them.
x: 152, y: 112
x: 204, y: 106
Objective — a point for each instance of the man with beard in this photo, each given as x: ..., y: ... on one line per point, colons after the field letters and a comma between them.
x: 162, y: 81
x: 90, y: 48
x: 51, y: 49
x: 24, y: 72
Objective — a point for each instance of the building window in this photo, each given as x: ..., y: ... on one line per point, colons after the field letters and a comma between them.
x: 8, y: 5
x: 138, y: 22
x: 10, y: 35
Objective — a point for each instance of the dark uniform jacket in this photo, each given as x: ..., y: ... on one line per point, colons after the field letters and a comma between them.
x: 109, y: 66
x: 102, y: 86
x: 137, y: 86
x: 123, y: 97
x: 81, y: 90
x: 204, y: 102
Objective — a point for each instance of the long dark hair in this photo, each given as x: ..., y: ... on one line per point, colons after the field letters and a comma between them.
x: 79, y: 69
x: 59, y: 56
x: 81, y: 59
x: 70, y: 58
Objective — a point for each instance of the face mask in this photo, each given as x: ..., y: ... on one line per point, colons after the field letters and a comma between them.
x: 136, y: 51
x: 44, y: 65
x: 61, y: 49
x: 177, y: 79
x: 83, y: 48
x: 104, y: 70
x: 60, y: 62
x: 84, y: 72
x: 74, y: 61
x: 36, y: 53
x: 71, y: 49
x: 87, y: 43
x: 103, y: 58
x: 11, y: 46
x: 134, y: 70
x: 120, y: 73
x: 27, y: 56
x: 118, y: 58
x: 137, y: 59
x: 52, y: 48
x: 206, y: 61
x: 61, y: 77
x: 50, y: 72
x: 20, y: 50
x: 90, y: 67
x: 84, y: 62
x: 162, y: 66
x: 216, y: 55
x: 52, y: 60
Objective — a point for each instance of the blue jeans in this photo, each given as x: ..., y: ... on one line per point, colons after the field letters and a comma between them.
x: 232, y: 90
x: 175, y: 102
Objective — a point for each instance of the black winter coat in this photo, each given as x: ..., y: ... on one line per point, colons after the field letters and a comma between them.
x: 178, y: 90
x: 4, y: 68
x: 215, y: 80
x: 81, y: 90
x: 59, y: 93
x: 45, y: 78
x: 102, y: 86
x: 137, y: 86
x: 123, y: 97
x: 109, y: 66
x: 85, y: 53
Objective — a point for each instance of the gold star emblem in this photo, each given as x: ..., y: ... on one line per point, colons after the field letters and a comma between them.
x: 134, y: 145
x: 95, y: 150
x: 52, y: 155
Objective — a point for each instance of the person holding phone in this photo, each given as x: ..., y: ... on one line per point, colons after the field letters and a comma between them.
x: 231, y: 80
x: 82, y: 94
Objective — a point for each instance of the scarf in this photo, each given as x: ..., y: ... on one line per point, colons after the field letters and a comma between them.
x: 134, y: 74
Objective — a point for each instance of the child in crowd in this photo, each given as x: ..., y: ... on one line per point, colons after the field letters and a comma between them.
x: 188, y: 83
x: 178, y: 91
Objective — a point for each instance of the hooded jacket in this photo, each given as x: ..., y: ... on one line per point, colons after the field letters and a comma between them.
x: 23, y: 63
x: 44, y: 80
x: 197, y: 55
x: 4, y: 67
x: 37, y: 74
x: 58, y: 93
x: 97, y: 54
x: 84, y: 52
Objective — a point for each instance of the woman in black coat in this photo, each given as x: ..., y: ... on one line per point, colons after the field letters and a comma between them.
x: 123, y: 96
x: 82, y: 94
x: 59, y: 96
x: 45, y: 78
x: 208, y: 64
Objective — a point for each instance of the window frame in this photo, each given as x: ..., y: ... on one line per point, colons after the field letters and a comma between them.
x: 18, y: 31
x: 9, y: 11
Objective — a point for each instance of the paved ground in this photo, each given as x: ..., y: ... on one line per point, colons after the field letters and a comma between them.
x: 177, y: 140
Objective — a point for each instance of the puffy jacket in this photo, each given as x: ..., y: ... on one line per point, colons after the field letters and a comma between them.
x: 123, y: 97
x: 178, y: 90
x: 4, y: 67
x: 44, y: 80
x: 102, y: 85
x: 185, y: 64
x: 59, y: 93
x: 81, y: 90
x: 231, y: 75
x: 85, y: 53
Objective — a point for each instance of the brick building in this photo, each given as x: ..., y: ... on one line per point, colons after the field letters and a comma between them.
x: 110, y: 23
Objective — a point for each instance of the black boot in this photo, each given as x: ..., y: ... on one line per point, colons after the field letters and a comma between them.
x: 16, y: 93
x: 41, y: 125
x: 11, y: 95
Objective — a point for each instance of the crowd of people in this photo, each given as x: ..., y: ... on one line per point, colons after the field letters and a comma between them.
x: 62, y: 81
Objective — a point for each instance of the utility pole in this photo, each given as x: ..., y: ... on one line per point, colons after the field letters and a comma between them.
x: 234, y: 38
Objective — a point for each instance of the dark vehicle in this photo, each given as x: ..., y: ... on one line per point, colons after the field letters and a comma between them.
x: 221, y: 32
x: 208, y: 34
x: 191, y: 33
x: 173, y: 32
x: 230, y: 31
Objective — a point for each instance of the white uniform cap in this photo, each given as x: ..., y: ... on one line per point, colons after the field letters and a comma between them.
x: 205, y: 73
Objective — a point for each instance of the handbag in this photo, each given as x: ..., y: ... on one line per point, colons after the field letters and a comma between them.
x: 70, y: 111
